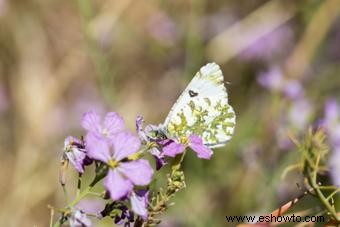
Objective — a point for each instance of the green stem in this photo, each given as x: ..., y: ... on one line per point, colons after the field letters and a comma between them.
x: 99, y: 59
x: 332, y: 194
x: 72, y: 204
x: 328, y: 188
x: 65, y: 193
x: 312, y: 181
x: 176, y: 165
x: 57, y: 224
x: 79, y: 184
x: 96, y: 194
x: 52, y: 216
x: 80, y: 196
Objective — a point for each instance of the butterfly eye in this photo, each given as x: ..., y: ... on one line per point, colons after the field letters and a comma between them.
x: 192, y: 93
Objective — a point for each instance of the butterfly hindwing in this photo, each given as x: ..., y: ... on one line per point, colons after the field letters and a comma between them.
x: 203, y: 109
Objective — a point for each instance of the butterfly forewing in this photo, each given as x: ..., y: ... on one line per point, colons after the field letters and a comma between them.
x: 203, y: 109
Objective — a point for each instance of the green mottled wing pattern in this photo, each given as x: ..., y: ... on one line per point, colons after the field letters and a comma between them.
x: 203, y: 109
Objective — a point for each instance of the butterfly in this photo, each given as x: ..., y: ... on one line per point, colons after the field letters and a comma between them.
x: 202, y: 109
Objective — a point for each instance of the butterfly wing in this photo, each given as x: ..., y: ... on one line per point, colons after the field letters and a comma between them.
x: 203, y: 109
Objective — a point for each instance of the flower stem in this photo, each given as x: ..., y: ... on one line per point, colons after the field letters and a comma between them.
x: 65, y: 193
x: 79, y: 184
x: 80, y: 196
x: 52, y: 216
x: 176, y: 165
x: 320, y: 195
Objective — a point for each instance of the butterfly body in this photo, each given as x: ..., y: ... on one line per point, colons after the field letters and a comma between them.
x: 202, y: 109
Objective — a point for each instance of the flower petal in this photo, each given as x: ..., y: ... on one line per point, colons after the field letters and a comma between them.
x: 79, y: 218
x: 139, y: 128
x: 97, y: 148
x: 171, y: 148
x: 139, y: 123
x: 196, y: 144
x: 91, y: 205
x: 71, y: 141
x: 91, y: 121
x: 117, y: 185
x: 124, y: 144
x: 159, y: 157
x: 331, y: 111
x: 76, y: 158
x: 139, y: 172
x: 113, y: 123
x: 139, y: 204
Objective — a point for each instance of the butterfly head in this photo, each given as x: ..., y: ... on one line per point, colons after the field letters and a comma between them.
x: 155, y: 133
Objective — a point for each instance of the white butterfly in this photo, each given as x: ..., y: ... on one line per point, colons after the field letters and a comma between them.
x: 202, y: 109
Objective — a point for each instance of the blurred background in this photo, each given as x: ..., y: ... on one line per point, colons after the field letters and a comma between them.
x: 59, y: 59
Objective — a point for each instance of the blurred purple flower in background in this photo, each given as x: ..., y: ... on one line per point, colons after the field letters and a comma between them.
x: 274, y: 80
x: 334, y: 163
x: 163, y: 29
x: 299, y: 109
x: 270, y: 45
x: 300, y: 113
x: 331, y: 123
x: 271, y: 79
x: 79, y: 219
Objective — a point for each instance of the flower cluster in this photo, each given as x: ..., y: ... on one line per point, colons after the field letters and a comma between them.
x: 299, y: 108
x: 117, y: 154
x: 274, y: 80
x: 110, y: 143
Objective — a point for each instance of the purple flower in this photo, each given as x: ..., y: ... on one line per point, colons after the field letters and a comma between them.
x: 139, y: 203
x: 331, y: 111
x: 172, y: 148
x: 274, y: 80
x: 91, y: 206
x: 112, y: 124
x: 300, y: 113
x: 79, y: 219
x: 163, y: 29
x: 271, y: 79
x: 292, y: 89
x: 269, y: 45
x: 125, y: 217
x: 75, y: 152
x: 159, y: 157
x: 331, y: 123
x: 122, y: 175
x: 335, y: 166
x: 139, y: 128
